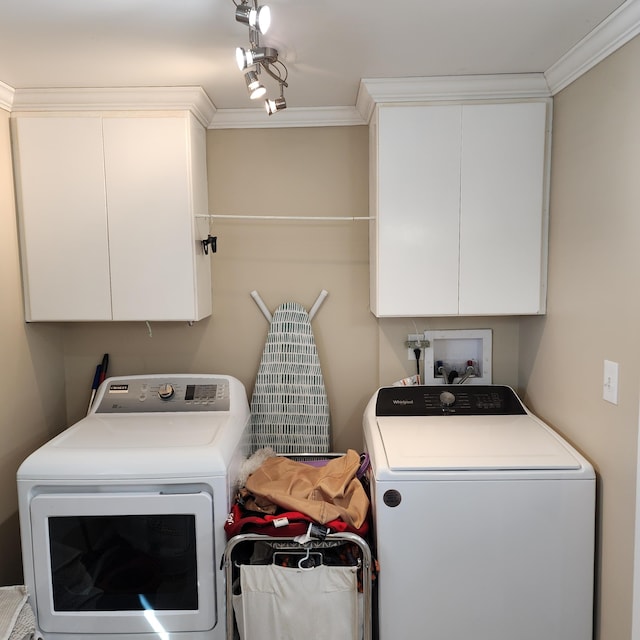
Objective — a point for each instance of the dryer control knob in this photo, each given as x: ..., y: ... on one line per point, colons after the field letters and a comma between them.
x: 166, y: 391
x: 447, y: 398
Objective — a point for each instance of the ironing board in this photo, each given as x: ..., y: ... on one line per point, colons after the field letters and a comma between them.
x: 289, y: 407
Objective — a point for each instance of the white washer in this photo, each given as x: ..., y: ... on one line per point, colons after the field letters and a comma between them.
x: 484, y: 518
x: 122, y: 515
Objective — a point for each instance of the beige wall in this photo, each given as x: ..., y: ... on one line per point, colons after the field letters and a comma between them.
x: 302, y: 172
x: 594, y: 306
x: 31, y: 376
x: 392, y: 333
x: 282, y: 172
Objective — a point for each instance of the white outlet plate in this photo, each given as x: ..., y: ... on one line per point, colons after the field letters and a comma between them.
x: 610, y: 382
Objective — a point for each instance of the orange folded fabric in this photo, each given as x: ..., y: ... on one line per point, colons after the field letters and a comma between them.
x: 323, y: 493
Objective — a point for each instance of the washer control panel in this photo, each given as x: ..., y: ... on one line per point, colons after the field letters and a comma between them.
x: 438, y: 400
x: 156, y: 394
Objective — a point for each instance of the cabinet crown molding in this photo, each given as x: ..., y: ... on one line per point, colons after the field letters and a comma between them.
x: 449, y: 88
x: 6, y: 96
x: 192, y: 99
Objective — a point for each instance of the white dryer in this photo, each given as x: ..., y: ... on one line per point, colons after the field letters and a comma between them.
x: 484, y: 518
x: 122, y: 515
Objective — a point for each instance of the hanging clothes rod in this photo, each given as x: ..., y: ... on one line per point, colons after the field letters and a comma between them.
x: 301, y: 218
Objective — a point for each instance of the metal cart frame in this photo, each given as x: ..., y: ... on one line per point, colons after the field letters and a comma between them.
x: 286, y: 543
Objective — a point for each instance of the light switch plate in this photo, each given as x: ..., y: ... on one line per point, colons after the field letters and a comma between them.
x: 610, y: 382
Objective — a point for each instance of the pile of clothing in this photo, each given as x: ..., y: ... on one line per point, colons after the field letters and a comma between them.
x: 279, y: 496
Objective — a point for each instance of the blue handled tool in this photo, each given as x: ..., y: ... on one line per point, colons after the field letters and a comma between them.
x: 103, y: 367
x: 95, y: 385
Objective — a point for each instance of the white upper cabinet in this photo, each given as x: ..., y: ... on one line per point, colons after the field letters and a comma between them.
x: 107, y: 207
x: 503, y: 221
x: 63, y: 218
x: 460, y: 206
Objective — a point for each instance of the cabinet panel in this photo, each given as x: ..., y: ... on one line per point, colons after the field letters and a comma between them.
x: 200, y: 194
x: 63, y: 221
x: 150, y: 222
x: 459, y: 200
x: 501, y: 206
x: 107, y: 206
x: 418, y: 191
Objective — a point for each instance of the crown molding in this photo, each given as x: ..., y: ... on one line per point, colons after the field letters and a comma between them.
x: 612, y: 33
x: 6, y: 96
x: 290, y: 117
x: 192, y: 99
x: 441, y: 88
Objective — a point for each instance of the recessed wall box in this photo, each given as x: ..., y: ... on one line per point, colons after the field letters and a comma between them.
x: 451, y: 352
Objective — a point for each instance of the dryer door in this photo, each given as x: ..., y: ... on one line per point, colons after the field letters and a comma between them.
x: 130, y: 562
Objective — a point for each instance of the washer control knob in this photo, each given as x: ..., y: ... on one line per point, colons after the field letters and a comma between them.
x: 392, y: 498
x: 166, y: 391
x: 447, y: 398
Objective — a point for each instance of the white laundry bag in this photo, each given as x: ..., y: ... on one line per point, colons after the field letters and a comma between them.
x: 287, y: 603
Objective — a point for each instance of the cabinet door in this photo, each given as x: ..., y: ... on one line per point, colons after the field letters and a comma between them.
x: 63, y: 221
x: 502, y: 206
x: 200, y: 194
x: 147, y: 163
x: 416, y: 248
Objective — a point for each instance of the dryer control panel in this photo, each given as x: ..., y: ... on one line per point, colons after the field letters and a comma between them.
x: 163, y: 394
x: 438, y: 400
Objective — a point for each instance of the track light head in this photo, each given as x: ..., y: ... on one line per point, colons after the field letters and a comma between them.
x: 254, y: 86
x: 272, y: 106
x: 258, y: 59
x: 256, y: 17
x: 248, y: 57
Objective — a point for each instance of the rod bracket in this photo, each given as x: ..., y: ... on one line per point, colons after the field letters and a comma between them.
x: 211, y: 241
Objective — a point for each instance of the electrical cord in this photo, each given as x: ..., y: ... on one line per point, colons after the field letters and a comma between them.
x: 417, y: 351
x: 417, y: 345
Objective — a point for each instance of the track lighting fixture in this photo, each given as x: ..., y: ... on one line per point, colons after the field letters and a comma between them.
x: 258, y: 19
x: 247, y: 57
x: 275, y: 105
x: 255, y: 87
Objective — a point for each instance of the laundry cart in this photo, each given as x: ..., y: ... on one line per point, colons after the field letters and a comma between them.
x: 297, y: 562
x: 277, y: 588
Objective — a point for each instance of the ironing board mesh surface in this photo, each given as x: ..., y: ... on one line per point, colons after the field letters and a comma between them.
x: 289, y: 408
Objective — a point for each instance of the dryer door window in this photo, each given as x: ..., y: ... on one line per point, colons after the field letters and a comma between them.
x: 142, y: 555
x: 123, y: 562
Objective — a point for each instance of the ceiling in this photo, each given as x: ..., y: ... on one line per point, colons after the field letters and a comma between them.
x: 327, y: 45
